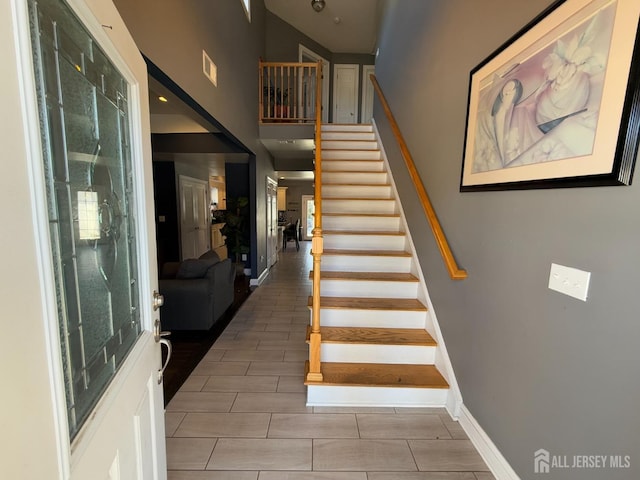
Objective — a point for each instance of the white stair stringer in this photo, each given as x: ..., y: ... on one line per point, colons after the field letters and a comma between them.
x: 370, y: 259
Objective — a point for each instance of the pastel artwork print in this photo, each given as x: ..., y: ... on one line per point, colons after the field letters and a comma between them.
x: 545, y: 108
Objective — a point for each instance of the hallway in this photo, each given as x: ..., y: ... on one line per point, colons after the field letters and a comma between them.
x: 241, y: 415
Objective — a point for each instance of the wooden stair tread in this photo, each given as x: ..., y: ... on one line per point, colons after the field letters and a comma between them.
x: 371, y: 276
x: 379, y: 375
x: 376, y: 172
x: 325, y: 160
x: 368, y: 253
x: 368, y: 199
x: 351, y: 184
x: 361, y: 232
x: 358, y: 303
x: 368, y: 215
x: 375, y: 336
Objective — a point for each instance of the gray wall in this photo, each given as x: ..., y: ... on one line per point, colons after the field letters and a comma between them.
x: 537, y: 369
x: 173, y: 34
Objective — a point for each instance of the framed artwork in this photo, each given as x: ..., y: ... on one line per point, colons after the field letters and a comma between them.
x: 558, y: 105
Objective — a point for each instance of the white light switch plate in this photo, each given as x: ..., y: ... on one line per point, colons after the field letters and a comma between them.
x: 570, y: 281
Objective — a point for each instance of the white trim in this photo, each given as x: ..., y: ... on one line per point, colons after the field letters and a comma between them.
x: 326, y: 69
x: 256, y: 282
x: 367, y: 90
x: 454, y: 400
x: 486, y: 448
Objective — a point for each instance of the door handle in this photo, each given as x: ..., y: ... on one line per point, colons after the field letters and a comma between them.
x: 158, y: 300
x: 166, y: 343
x: 157, y: 333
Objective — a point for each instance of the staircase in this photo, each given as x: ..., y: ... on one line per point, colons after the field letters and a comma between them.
x: 377, y: 346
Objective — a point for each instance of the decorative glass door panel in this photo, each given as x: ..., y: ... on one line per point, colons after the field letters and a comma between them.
x: 84, y: 117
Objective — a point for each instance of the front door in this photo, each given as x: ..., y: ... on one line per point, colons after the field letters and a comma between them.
x: 86, y: 106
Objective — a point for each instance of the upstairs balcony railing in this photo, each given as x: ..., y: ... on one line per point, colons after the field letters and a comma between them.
x: 288, y: 92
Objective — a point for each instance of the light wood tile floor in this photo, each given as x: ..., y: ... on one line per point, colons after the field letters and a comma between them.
x: 241, y: 415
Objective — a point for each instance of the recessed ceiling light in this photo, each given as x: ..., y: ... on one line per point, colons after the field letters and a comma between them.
x: 162, y: 99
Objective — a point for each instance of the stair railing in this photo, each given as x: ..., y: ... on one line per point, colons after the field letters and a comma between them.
x: 288, y: 92
x: 455, y: 272
x: 315, y: 374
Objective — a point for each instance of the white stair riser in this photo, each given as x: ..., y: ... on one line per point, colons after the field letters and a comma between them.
x: 351, y: 154
x: 368, y: 289
x: 396, y: 354
x: 342, y: 127
x: 335, y: 396
x: 383, y: 206
x: 356, y: 191
x: 359, y: 206
x: 360, y: 263
x: 364, y: 242
x: 355, y: 177
x: 352, y: 166
x: 349, y: 145
x: 329, y: 135
x: 339, y: 317
x: 355, y: 223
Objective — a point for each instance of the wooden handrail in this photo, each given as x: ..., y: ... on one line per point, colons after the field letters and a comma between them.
x: 455, y: 272
x: 315, y: 374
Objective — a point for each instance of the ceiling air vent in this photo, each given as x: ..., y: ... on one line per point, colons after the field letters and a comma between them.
x: 209, y: 68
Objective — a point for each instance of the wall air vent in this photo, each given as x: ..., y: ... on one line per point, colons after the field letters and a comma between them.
x: 209, y: 68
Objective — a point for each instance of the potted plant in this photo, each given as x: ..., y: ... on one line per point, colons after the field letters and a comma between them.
x: 236, y: 229
x: 278, y: 101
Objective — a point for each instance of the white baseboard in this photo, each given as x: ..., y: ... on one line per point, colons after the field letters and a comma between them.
x: 486, y: 448
x: 256, y: 282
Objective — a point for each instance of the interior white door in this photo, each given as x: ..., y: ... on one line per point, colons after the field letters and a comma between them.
x: 272, y: 221
x: 194, y: 216
x: 83, y: 85
x: 366, y: 112
x: 345, y: 93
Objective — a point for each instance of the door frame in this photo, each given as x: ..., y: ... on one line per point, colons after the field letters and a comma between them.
x: 336, y: 68
x: 326, y: 75
x: 95, y: 15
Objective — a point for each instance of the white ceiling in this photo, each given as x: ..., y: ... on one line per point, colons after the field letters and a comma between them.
x: 344, y: 26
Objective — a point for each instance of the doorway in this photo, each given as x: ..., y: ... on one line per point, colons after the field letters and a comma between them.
x: 306, y: 55
x: 308, y: 216
x: 366, y: 111
x: 272, y: 222
x: 194, y: 217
